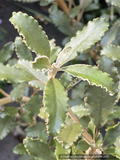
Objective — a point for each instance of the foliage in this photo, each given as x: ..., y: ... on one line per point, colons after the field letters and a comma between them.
x: 71, y: 125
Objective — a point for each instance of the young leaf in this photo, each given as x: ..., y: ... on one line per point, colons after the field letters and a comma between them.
x: 112, y: 52
x: 107, y: 65
x: 6, y: 52
x: 114, y: 2
x: 25, y: 65
x: 14, y: 75
x: 100, y: 105
x: 27, y: 157
x: 69, y: 135
x: 22, y: 50
x: 60, y: 20
x: 84, y: 39
x: 41, y: 63
x: 37, y: 41
x: 92, y: 74
x: 61, y: 151
x: 18, y: 91
x: 113, y: 132
x: 19, y: 149
x: 37, y: 130
x: 110, y: 34
x: 113, y: 151
x: 38, y: 149
x: 5, y: 125
x: 55, y: 105
x: 33, y: 105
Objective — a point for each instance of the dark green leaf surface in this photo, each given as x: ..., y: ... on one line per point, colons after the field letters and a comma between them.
x: 113, y: 151
x: 19, y: 149
x: 37, y: 41
x: 27, y: 157
x: 92, y: 74
x: 22, y: 50
x: 55, y: 105
x: 6, y: 52
x: 38, y: 149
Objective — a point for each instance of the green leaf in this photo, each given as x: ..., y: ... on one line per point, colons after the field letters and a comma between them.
x: 107, y: 65
x: 27, y: 1
x: 65, y: 79
x: 33, y: 105
x: 84, y: 39
x: 37, y: 41
x: 61, y: 151
x: 113, y: 151
x: 110, y: 35
x: 11, y: 111
x: 38, y: 149
x: 5, y: 126
x: 22, y: 50
x: 6, y: 52
x: 92, y: 74
x: 43, y: 113
x: 27, y: 157
x: 99, y: 104
x: 45, y: 2
x: 54, y: 50
x: 112, y: 52
x: 60, y: 20
x: 37, y: 130
x: 55, y: 105
x: 41, y: 63
x: 114, y: 132
x: 27, y: 117
x: 69, y: 135
x: 92, y: 7
x: 18, y: 91
x: 37, y: 84
x: 14, y: 75
x: 114, y: 2
x: 85, y: 3
x: 26, y: 66
x: 74, y: 11
x: 80, y: 110
x: 82, y: 145
x: 19, y: 149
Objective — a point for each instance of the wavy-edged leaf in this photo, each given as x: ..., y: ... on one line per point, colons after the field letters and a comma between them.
x: 37, y: 130
x: 45, y: 2
x: 113, y: 151
x: 112, y: 52
x: 18, y: 91
x: 114, y: 2
x: 60, y: 20
x: 6, y: 52
x: 22, y: 50
x: 55, y: 105
x: 5, y: 125
x: 11, y: 111
x: 114, y: 132
x: 41, y: 63
x: 65, y: 79
x: 19, y: 149
x: 37, y: 84
x: 110, y: 35
x: 38, y: 149
x: 107, y: 65
x: 54, y: 50
x: 69, y: 135
x: 27, y: 117
x: 37, y: 41
x: 61, y: 151
x: 26, y: 65
x: 14, y: 75
x: 33, y: 105
x: 92, y: 74
x: 83, y: 40
x: 100, y: 105
x: 43, y: 113
x: 27, y: 157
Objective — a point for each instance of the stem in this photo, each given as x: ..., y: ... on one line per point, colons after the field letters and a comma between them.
x: 112, y: 13
x: 35, y: 92
x: 80, y: 15
x: 63, y: 6
x: 86, y: 136
x: 4, y: 93
x: 96, y: 134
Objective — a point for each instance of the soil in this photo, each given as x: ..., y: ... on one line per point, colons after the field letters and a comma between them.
x: 6, y: 9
